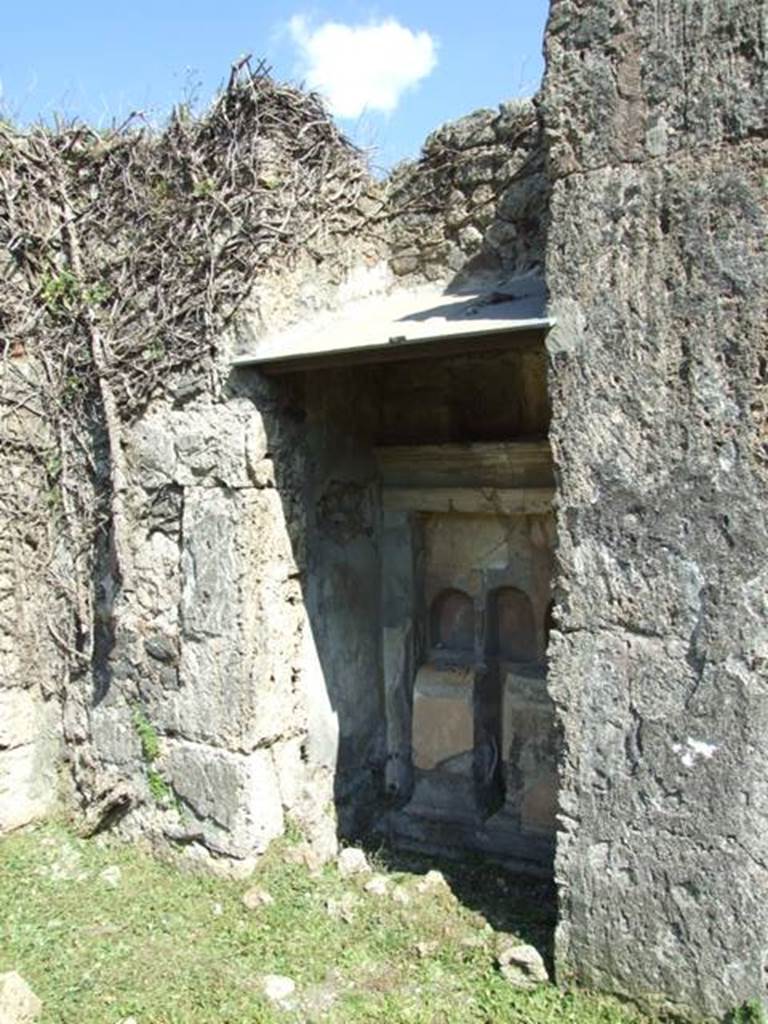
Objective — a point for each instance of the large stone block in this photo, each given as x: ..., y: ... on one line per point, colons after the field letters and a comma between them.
x: 27, y: 785
x: 20, y: 717
x: 241, y: 623
x: 229, y: 695
x: 444, y: 718
x: 205, y: 445
x: 234, y: 797
x: 209, y: 563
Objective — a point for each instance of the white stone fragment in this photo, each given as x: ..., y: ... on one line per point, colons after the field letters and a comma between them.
x: 277, y: 987
x: 377, y: 886
x: 18, y: 1003
x: 256, y: 897
x: 111, y: 876
x: 401, y: 895
x: 342, y: 909
x: 352, y: 861
x: 432, y: 881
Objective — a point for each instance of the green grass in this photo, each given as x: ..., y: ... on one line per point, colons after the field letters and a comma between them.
x: 170, y: 947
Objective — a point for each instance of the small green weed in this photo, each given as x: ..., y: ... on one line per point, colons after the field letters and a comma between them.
x: 150, y: 741
x: 159, y: 788
x: 751, y: 1012
x: 61, y: 292
x: 204, y: 187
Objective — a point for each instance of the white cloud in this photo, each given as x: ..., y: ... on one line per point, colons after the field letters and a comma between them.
x: 364, y: 67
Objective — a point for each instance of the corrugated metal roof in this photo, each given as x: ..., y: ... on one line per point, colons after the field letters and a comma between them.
x: 405, y: 317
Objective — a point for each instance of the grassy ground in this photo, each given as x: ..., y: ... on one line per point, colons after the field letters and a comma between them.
x: 166, y: 947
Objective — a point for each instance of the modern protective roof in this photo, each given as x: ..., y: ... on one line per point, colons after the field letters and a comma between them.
x: 407, y: 323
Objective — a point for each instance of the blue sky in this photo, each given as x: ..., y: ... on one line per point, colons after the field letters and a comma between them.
x: 393, y: 71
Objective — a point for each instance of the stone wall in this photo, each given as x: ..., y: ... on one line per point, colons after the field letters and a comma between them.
x: 237, y: 684
x: 31, y: 663
x: 475, y: 203
x: 196, y: 730
x: 654, y: 118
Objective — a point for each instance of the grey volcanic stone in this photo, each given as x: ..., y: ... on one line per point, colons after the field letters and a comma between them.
x: 658, y: 271
x: 523, y: 967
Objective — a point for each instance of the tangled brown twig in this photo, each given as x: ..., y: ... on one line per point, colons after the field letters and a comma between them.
x: 124, y: 256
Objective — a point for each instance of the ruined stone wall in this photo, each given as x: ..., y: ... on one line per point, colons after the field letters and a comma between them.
x: 654, y: 119
x: 31, y: 662
x: 200, y: 726
x: 211, y: 711
x: 475, y: 203
x: 237, y: 686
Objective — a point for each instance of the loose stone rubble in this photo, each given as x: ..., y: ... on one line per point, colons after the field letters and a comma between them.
x: 352, y: 861
x: 278, y: 988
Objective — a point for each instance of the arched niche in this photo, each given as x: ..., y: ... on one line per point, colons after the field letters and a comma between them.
x: 452, y: 621
x: 512, y: 629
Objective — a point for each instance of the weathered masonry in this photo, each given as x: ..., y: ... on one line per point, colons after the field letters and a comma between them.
x: 457, y: 533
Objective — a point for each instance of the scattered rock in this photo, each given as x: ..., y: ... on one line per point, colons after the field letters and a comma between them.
x: 317, y: 1000
x: 67, y: 867
x: 344, y: 908
x: 522, y: 966
x: 352, y: 861
x: 431, y: 882
x: 277, y: 988
x: 18, y: 1003
x: 111, y: 876
x: 255, y: 898
x: 377, y: 886
x: 217, y: 909
x: 308, y: 856
x: 401, y: 895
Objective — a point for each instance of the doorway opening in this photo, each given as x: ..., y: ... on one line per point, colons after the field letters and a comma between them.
x: 428, y: 547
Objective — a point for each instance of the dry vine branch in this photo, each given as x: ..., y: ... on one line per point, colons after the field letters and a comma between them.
x: 124, y: 256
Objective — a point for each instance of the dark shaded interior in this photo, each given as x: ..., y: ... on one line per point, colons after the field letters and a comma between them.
x: 324, y: 428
